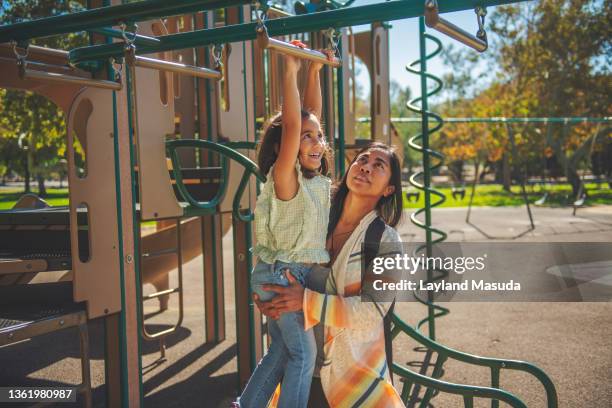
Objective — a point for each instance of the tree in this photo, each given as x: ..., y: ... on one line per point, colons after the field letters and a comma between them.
x: 551, y: 59
x: 32, y: 125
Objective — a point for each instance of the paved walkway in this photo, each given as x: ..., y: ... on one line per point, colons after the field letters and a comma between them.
x: 572, y: 342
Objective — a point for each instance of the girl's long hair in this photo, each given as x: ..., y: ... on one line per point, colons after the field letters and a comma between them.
x: 270, y: 145
x: 388, y: 208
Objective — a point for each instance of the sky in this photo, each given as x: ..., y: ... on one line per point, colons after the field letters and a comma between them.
x: 404, y: 46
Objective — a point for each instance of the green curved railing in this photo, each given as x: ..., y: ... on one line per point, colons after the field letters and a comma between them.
x: 227, y: 151
x: 468, y: 391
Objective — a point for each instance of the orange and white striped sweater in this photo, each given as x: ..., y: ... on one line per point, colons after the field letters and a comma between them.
x: 355, y: 373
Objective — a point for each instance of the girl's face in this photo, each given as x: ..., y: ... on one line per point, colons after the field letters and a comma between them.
x: 312, y: 144
x: 370, y: 174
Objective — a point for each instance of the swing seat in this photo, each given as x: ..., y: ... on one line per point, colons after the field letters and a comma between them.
x: 413, y: 382
x: 413, y: 196
x: 580, y: 202
x: 458, y: 193
x: 542, y: 200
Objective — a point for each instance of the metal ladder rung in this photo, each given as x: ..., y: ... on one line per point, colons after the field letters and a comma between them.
x: 160, y: 293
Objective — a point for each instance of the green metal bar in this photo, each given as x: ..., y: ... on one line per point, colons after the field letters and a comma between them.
x: 139, y: 39
x: 568, y: 120
x: 437, y: 373
x: 107, y: 16
x: 467, y: 391
x: 341, y: 124
x: 495, y: 384
x: 122, y: 313
x: 549, y: 387
x: 406, y: 388
x: 346, y: 17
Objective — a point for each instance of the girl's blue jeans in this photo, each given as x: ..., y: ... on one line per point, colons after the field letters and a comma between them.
x: 292, y: 352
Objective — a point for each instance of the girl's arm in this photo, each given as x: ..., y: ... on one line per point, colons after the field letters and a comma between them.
x: 284, y: 174
x: 313, y: 101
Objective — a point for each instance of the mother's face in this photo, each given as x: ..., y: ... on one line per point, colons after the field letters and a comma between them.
x: 370, y: 173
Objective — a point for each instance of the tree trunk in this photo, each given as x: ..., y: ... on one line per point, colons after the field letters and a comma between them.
x: 506, y: 174
x: 42, y: 191
x: 575, y: 182
x: 27, y: 173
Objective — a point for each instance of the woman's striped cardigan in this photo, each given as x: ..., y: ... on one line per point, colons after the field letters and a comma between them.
x: 355, y: 373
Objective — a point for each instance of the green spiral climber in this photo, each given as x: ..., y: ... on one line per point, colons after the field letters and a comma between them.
x: 431, y: 161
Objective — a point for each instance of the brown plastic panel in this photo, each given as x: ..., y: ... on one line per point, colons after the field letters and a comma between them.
x: 155, y: 122
x: 96, y: 281
x: 238, y: 124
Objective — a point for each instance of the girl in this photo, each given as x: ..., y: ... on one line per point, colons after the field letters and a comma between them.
x: 290, y: 210
x: 355, y: 373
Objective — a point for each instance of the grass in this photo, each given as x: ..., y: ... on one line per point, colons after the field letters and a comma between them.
x: 559, y: 195
x: 486, y: 195
x: 55, y: 196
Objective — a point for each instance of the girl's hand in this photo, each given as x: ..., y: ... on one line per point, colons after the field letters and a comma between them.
x: 330, y: 54
x: 288, y: 298
x: 297, y: 43
x: 266, y: 308
x: 292, y: 64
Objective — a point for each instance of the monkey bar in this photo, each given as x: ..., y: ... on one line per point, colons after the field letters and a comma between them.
x: 264, y: 41
x: 177, y: 67
x: 433, y: 20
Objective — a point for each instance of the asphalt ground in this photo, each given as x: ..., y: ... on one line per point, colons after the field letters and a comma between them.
x: 571, y: 342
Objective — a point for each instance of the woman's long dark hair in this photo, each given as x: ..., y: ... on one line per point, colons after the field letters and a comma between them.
x: 388, y: 208
x: 270, y: 145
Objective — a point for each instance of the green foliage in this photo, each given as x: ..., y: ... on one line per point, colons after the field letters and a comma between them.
x: 552, y: 59
x: 30, y: 124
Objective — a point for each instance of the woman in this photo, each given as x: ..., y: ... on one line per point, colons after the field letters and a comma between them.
x: 354, y: 371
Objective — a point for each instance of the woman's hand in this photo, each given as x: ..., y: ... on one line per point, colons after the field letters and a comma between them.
x: 288, y: 298
x: 266, y: 308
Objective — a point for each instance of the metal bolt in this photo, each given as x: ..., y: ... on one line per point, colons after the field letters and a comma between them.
x: 11, y: 335
x: 61, y: 322
x: 129, y: 259
x: 241, y: 257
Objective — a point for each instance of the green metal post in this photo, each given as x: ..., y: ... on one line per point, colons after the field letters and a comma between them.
x: 107, y: 16
x: 133, y: 128
x: 341, y: 124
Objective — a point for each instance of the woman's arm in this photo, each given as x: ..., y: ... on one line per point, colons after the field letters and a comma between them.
x: 337, y: 310
x: 284, y: 174
x: 333, y: 310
